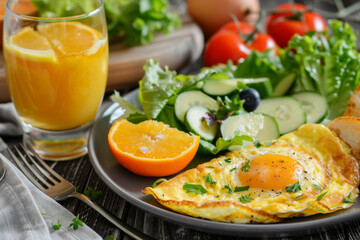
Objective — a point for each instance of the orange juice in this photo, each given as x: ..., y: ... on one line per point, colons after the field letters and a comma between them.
x: 56, y: 74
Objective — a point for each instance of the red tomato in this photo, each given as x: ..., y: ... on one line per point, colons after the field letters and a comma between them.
x: 227, y: 44
x: 282, y: 28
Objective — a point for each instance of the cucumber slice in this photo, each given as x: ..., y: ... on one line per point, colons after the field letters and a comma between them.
x: 219, y: 87
x: 260, y: 126
x: 222, y: 87
x: 287, y: 112
x: 195, y: 123
x: 314, y: 104
x: 262, y: 85
x: 191, y: 98
x: 284, y: 85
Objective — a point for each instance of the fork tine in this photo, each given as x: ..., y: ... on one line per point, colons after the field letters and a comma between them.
x: 44, y: 168
x: 30, y: 151
x: 24, y: 169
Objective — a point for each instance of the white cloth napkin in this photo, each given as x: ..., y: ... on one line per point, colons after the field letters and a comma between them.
x: 9, y: 121
x: 23, y: 217
x: 25, y: 211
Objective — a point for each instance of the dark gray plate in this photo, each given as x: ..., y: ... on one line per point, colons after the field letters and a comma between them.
x: 129, y: 186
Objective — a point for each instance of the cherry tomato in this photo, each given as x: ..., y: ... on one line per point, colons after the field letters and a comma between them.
x: 227, y: 44
x: 282, y: 26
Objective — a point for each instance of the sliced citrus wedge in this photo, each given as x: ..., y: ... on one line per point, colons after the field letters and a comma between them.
x: 151, y: 148
x: 29, y: 44
x: 70, y: 38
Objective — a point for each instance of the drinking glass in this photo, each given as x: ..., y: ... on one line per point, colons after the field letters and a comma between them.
x: 56, y: 71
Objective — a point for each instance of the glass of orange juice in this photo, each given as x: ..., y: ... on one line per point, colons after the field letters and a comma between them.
x: 56, y: 71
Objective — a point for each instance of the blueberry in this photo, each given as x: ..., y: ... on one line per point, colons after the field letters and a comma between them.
x: 251, y: 97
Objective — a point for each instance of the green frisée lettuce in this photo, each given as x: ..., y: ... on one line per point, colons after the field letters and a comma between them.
x: 327, y: 65
x: 135, y: 21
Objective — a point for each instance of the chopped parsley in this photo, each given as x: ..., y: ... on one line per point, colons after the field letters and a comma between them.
x: 317, y: 187
x: 299, y: 196
x: 228, y: 160
x: 294, y: 187
x: 76, y: 223
x: 209, y: 179
x: 257, y: 143
x: 233, y: 169
x: 348, y: 199
x: 245, y: 198
x: 57, y: 226
x: 228, y: 188
x: 246, y: 166
x: 92, y: 194
x: 110, y: 237
x: 160, y: 180
x: 240, y: 189
x: 194, y: 188
x: 210, y: 167
x: 321, y: 196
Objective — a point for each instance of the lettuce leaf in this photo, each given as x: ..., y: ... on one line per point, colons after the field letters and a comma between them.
x: 157, y: 87
x: 328, y: 65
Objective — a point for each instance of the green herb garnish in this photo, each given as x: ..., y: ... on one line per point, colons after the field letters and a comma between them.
x: 76, y: 222
x: 233, y: 169
x: 321, y: 196
x: 228, y: 160
x: 92, y: 194
x: 110, y: 237
x: 240, y: 189
x: 317, y: 187
x: 348, y: 199
x: 257, y: 143
x: 246, y: 166
x: 294, y: 187
x: 57, y: 226
x: 228, y: 188
x: 160, y: 180
x: 194, y: 188
x: 210, y: 167
x: 245, y: 198
x: 209, y: 179
x: 299, y: 196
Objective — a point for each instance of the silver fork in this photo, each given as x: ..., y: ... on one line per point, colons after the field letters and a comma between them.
x: 56, y: 187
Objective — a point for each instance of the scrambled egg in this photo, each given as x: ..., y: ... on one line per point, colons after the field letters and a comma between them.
x: 303, y: 173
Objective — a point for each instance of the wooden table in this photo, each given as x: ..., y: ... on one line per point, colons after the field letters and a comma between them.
x: 81, y: 173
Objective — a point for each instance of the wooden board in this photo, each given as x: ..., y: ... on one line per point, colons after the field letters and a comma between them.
x: 175, y: 50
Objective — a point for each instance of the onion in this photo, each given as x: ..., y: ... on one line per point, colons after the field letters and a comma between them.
x: 212, y: 14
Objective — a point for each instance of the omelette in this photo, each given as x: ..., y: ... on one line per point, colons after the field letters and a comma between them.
x: 306, y: 172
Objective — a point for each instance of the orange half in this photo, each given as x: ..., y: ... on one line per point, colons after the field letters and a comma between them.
x: 151, y: 148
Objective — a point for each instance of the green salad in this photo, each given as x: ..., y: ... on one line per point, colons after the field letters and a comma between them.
x: 259, y: 99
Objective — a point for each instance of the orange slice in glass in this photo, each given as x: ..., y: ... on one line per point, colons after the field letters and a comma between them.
x: 70, y: 38
x: 151, y: 148
x: 29, y: 44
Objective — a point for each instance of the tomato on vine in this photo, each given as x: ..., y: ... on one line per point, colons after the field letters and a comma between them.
x: 292, y: 19
x: 234, y: 41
